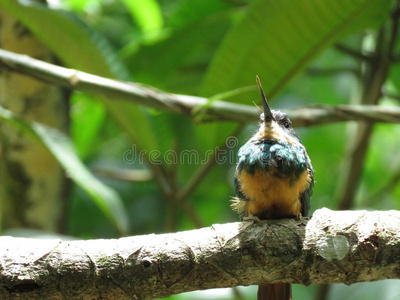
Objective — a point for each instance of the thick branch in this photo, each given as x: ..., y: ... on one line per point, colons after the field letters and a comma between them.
x: 333, y: 247
x: 219, y: 110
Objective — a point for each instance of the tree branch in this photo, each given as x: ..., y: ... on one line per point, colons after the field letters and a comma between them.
x: 332, y: 247
x: 203, y: 170
x: 375, y: 74
x: 184, y: 104
x: 124, y: 174
x: 352, y: 52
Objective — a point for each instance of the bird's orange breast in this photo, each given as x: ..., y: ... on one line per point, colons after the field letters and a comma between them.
x: 271, y: 196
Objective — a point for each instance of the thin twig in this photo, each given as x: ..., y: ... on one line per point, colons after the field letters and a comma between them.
x: 352, y: 52
x: 391, y: 184
x: 172, y: 208
x: 182, y: 195
x: 125, y: 174
x: 203, y: 171
x: 375, y: 76
x: 184, y: 104
x: 190, y: 211
x: 395, y: 29
x: 173, y: 205
x: 313, y: 71
x: 391, y: 95
x: 395, y: 57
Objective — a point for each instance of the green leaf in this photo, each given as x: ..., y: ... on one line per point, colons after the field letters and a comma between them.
x: 277, y: 39
x: 62, y: 149
x: 68, y: 37
x: 186, y: 12
x: 79, y: 5
x: 82, y: 48
x: 394, y: 77
x: 87, y: 117
x: 147, y: 14
x: 178, y: 63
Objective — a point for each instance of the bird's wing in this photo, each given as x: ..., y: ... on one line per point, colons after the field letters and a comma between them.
x: 239, y: 191
x: 306, y: 195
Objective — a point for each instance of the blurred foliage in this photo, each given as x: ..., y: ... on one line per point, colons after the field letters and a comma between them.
x: 204, y: 48
x: 59, y: 145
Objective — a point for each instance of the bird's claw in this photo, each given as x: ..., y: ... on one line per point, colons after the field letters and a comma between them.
x: 255, y: 219
x: 299, y: 217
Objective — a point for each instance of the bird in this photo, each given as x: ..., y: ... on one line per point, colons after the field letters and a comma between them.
x: 273, y: 179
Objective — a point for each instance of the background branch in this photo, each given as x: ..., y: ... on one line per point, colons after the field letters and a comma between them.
x: 332, y: 247
x: 313, y: 71
x: 374, y: 70
x: 184, y: 104
x: 374, y: 78
x: 352, y: 52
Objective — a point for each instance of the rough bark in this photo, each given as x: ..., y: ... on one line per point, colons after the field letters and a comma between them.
x: 332, y: 247
x: 32, y: 182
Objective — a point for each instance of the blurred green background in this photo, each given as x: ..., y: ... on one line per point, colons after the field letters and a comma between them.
x: 305, y: 52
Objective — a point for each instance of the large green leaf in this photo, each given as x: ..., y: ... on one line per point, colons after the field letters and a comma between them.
x: 277, y: 39
x: 178, y: 63
x: 87, y: 117
x: 82, y: 48
x: 147, y: 14
x: 62, y: 149
x: 67, y: 36
x: 187, y: 12
x: 79, y: 5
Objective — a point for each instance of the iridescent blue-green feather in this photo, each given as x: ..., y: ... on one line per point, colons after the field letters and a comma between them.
x: 289, y: 161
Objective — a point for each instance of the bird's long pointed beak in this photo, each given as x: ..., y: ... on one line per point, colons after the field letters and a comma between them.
x: 267, y: 111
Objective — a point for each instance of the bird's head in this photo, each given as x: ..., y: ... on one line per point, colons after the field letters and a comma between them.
x: 274, y: 124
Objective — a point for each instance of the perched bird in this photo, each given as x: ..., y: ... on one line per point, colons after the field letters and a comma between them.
x: 274, y: 179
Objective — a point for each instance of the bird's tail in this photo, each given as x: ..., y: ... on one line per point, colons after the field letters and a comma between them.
x: 239, y: 205
x: 278, y: 291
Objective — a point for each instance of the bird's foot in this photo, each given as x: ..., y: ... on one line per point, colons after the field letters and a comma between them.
x: 255, y: 219
x: 300, y: 218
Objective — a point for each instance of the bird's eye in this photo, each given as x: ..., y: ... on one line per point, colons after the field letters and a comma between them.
x: 286, y: 124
